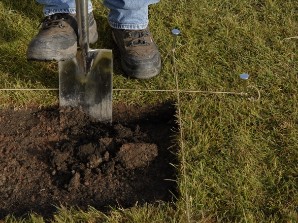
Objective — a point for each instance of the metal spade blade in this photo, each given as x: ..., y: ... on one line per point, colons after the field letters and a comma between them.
x: 86, y: 80
x: 92, y: 90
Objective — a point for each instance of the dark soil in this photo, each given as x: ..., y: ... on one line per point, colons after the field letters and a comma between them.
x: 52, y: 157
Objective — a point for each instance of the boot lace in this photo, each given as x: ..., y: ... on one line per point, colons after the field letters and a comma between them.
x: 138, y: 37
x: 54, y: 20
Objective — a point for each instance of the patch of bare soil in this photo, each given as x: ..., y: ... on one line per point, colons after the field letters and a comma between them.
x: 58, y: 156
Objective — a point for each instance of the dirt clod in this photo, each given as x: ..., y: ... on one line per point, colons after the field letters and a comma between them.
x: 74, y: 182
x: 135, y: 155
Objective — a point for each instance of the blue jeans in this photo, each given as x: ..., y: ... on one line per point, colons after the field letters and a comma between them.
x: 124, y: 14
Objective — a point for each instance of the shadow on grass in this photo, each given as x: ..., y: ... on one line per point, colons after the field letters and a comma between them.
x: 27, y: 73
x: 29, y: 8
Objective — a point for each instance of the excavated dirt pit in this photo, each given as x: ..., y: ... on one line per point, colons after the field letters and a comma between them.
x: 51, y: 157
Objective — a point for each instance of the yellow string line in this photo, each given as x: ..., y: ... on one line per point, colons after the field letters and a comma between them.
x: 139, y: 90
x: 292, y: 37
x: 182, y: 146
x: 29, y: 89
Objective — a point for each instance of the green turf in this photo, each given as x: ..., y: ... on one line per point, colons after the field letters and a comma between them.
x: 238, y: 157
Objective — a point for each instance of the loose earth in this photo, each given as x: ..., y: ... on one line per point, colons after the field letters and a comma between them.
x: 51, y: 157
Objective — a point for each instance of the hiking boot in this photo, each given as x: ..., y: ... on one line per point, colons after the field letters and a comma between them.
x: 58, y: 37
x: 140, y: 57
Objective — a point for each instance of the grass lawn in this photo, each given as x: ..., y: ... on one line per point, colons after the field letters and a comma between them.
x: 238, y: 153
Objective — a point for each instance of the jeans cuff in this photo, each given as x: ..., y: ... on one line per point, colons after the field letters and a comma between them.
x: 116, y: 25
x: 48, y: 12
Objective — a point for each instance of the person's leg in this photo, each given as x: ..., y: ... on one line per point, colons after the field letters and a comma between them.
x: 60, y: 6
x: 140, y: 57
x: 57, y: 38
x: 128, y: 14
